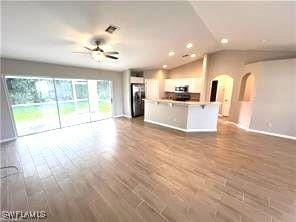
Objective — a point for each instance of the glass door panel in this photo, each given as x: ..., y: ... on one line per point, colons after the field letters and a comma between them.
x: 100, y: 99
x: 33, y: 104
x: 72, y: 101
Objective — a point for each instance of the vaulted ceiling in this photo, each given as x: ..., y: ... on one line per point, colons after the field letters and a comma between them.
x: 51, y: 31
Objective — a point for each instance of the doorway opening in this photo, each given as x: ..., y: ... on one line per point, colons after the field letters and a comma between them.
x: 221, y: 91
x: 247, y: 87
x: 246, y: 97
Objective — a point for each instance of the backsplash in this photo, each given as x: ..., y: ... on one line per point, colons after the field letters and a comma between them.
x: 193, y: 96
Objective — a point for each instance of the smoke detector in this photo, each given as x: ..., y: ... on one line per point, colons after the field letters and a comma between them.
x: 111, y: 28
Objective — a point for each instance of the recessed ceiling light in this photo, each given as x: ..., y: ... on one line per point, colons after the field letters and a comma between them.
x: 193, y: 55
x: 164, y: 66
x: 171, y: 53
x: 189, y: 45
x: 224, y: 41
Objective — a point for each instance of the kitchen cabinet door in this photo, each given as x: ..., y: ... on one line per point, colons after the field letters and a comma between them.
x: 195, y: 85
x: 152, y: 88
x: 169, y: 85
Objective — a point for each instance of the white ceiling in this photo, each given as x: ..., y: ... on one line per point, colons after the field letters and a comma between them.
x: 51, y: 31
x: 247, y: 23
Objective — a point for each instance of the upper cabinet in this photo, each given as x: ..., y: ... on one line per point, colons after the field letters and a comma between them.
x: 134, y: 79
x: 193, y: 83
x: 169, y: 85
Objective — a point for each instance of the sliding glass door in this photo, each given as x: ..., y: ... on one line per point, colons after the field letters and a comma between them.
x: 33, y: 104
x: 72, y: 101
x: 40, y: 104
x: 100, y: 99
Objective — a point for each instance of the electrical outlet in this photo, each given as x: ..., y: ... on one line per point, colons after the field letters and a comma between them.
x: 269, y: 124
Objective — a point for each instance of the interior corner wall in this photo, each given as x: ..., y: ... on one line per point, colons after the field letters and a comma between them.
x: 232, y: 62
x: 274, y: 105
x: 31, y: 68
x: 189, y: 70
x: 7, y: 131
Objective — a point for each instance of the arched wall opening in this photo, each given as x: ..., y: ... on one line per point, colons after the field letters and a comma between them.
x: 246, y: 97
x: 247, y: 87
x: 221, y: 91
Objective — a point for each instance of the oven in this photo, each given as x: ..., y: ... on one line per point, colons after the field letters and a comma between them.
x: 182, y: 93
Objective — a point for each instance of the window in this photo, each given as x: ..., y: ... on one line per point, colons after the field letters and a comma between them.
x: 41, y: 104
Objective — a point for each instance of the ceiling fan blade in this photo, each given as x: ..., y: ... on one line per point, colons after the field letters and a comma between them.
x: 82, y: 53
x: 112, y: 53
x: 88, y: 48
x: 99, y: 49
x: 111, y: 57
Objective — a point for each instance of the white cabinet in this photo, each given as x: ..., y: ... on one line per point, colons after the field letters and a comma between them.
x: 134, y: 79
x: 193, y: 83
x: 169, y: 85
x: 152, y: 88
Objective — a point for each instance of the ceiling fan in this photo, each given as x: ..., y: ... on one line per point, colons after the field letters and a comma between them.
x: 99, y: 54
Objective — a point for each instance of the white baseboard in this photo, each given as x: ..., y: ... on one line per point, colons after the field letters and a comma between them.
x: 126, y: 116
x: 181, y: 129
x: 8, y: 140
x: 201, y: 130
x: 117, y: 116
x: 273, y: 134
x: 263, y: 132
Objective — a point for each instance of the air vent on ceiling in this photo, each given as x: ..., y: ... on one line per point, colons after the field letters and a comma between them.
x: 111, y: 29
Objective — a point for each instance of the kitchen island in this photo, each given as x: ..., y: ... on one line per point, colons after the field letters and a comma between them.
x: 188, y: 116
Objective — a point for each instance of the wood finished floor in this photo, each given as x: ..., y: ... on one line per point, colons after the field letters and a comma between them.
x: 128, y: 170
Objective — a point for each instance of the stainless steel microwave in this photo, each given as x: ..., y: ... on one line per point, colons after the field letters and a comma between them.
x: 182, y: 89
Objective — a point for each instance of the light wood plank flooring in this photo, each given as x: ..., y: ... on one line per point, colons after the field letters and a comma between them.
x: 128, y: 170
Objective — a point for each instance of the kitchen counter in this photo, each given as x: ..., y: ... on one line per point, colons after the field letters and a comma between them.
x: 187, y: 116
x: 185, y: 103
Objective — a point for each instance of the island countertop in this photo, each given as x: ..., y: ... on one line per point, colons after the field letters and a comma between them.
x: 185, y: 103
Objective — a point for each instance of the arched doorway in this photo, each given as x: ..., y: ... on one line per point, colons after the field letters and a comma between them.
x: 247, y: 87
x: 246, y: 96
x: 221, y: 91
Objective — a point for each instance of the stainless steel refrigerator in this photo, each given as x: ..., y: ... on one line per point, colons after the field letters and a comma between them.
x: 137, y: 99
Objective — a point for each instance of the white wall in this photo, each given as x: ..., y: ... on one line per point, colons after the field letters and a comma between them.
x: 189, y: 70
x: 232, y: 62
x: 126, y: 95
x: 274, y: 105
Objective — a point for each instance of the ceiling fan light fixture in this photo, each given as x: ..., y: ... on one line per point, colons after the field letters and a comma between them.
x: 171, y: 53
x: 97, y: 56
x: 224, y: 41
x: 189, y: 45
